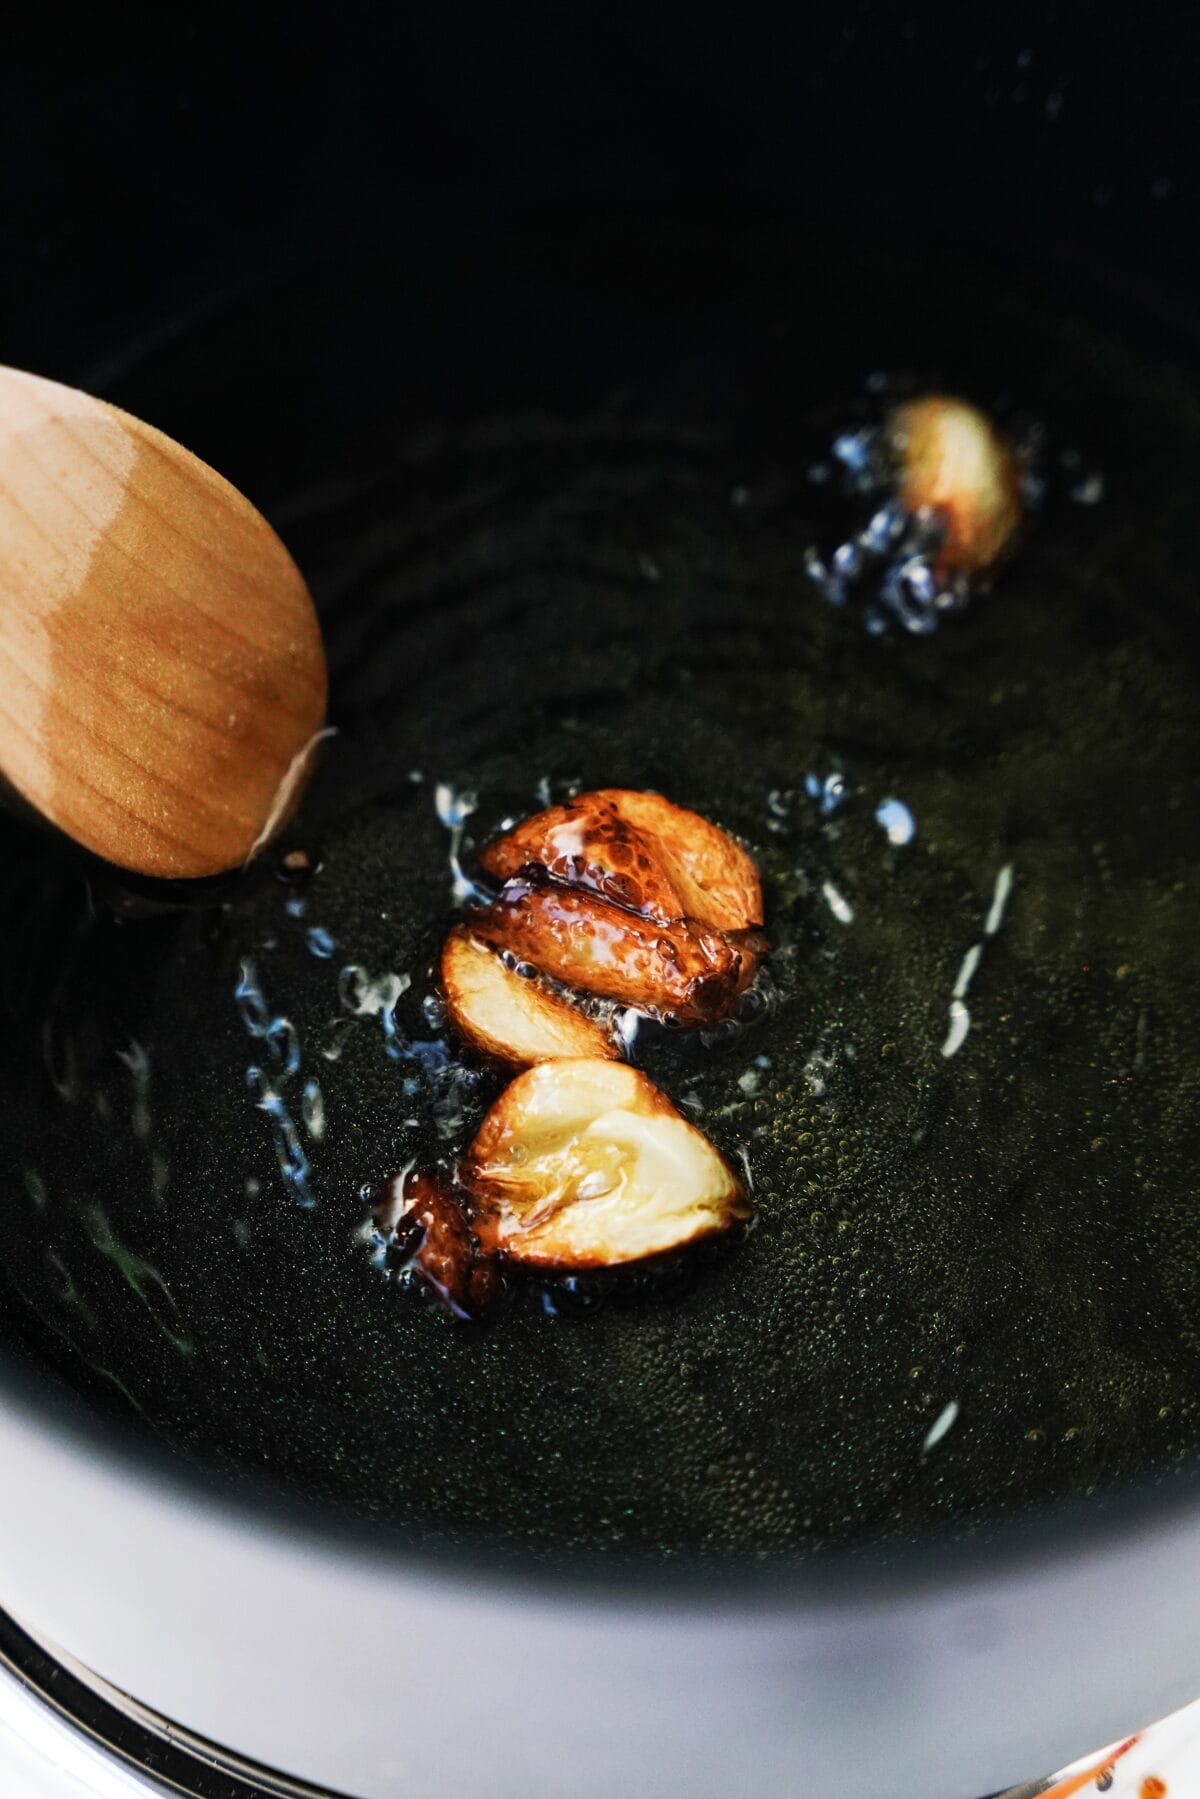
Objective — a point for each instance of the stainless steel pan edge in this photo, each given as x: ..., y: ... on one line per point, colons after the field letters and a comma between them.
x: 390, y: 1679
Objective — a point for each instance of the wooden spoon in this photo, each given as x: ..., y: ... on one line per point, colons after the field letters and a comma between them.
x: 162, y: 678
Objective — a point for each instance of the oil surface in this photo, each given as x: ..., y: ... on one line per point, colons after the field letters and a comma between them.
x: 555, y: 512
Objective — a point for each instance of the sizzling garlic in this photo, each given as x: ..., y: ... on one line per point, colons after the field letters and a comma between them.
x: 954, y: 463
x: 681, y: 970
x: 423, y: 1222
x: 508, y: 1017
x: 629, y: 896
x: 584, y: 1164
x: 642, y: 852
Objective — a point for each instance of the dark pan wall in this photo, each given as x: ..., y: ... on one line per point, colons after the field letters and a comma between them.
x: 151, y: 157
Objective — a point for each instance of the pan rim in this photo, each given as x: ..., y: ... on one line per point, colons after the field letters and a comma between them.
x: 946, y: 1558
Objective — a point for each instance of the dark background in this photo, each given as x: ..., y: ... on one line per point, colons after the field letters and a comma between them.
x: 154, y: 160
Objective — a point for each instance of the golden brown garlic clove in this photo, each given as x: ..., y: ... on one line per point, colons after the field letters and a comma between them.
x: 508, y: 1017
x: 427, y: 1229
x: 953, y: 462
x: 586, y: 1164
x: 715, y: 879
x: 681, y: 970
x: 640, y: 851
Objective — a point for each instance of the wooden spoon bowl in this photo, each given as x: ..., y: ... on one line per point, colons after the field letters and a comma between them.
x: 162, y: 676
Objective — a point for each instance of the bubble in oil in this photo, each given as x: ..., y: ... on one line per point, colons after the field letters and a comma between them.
x: 837, y: 902
x: 1000, y: 897
x: 454, y: 806
x: 830, y: 791
x: 1089, y: 491
x: 966, y: 972
x: 897, y: 821
x: 958, y: 1029
x: 289, y: 1152
x: 941, y: 1425
x: 251, y: 1002
x: 284, y: 1044
x: 858, y: 454
x: 367, y: 996
x: 312, y: 1110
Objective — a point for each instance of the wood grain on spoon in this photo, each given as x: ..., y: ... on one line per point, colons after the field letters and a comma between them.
x: 161, y: 668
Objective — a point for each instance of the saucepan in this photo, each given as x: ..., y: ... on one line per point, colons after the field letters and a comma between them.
x: 535, y: 340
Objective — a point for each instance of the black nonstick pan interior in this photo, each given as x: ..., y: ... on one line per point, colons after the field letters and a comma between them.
x: 552, y: 493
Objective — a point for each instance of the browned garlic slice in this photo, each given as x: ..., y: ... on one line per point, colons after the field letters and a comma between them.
x: 506, y: 1016
x: 640, y: 851
x: 421, y: 1218
x: 681, y: 970
x: 953, y: 461
x: 583, y: 1164
x: 716, y: 880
